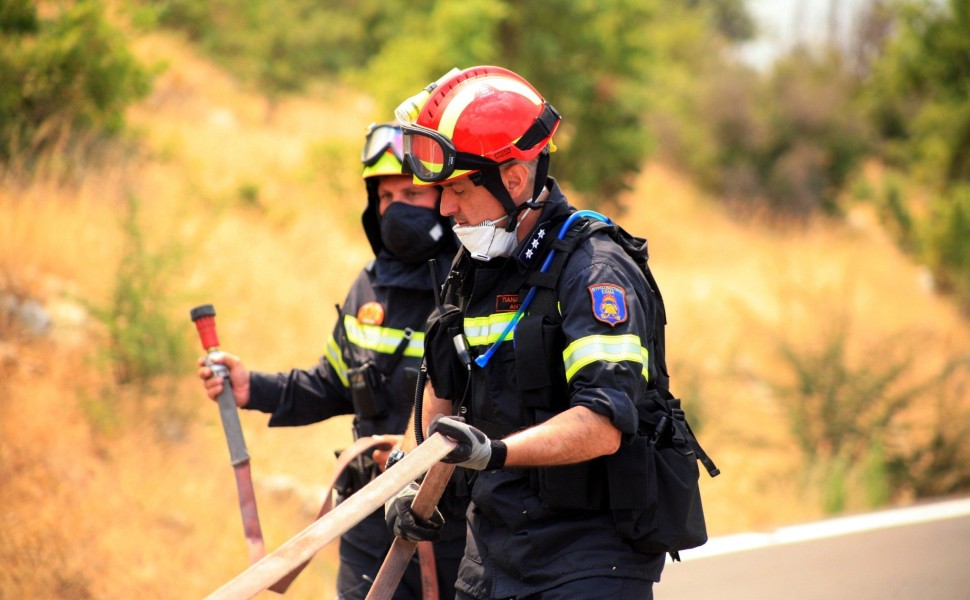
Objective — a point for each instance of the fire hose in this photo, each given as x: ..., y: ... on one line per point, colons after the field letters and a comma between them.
x: 205, y: 323
x: 401, y: 550
x: 300, y: 548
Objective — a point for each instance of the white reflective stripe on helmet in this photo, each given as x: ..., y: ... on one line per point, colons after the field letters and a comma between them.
x: 467, y: 94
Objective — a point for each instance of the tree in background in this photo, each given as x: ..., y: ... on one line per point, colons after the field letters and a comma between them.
x: 64, y: 81
x: 919, y: 100
x: 603, y: 64
x: 276, y: 47
x: 790, y: 140
x: 781, y: 142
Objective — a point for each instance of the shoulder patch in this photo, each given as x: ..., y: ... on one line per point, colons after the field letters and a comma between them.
x: 609, y: 303
x: 371, y: 313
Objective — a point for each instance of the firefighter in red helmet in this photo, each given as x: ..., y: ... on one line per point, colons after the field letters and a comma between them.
x: 550, y: 395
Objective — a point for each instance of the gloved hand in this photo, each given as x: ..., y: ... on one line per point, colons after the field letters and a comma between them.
x: 403, y: 523
x: 474, y: 449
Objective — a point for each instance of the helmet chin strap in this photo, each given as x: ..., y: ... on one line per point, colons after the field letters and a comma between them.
x: 491, y: 177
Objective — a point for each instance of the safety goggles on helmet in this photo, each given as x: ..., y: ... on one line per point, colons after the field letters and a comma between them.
x: 432, y: 157
x: 380, y: 138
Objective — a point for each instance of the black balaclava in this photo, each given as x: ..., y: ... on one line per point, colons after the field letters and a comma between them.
x: 374, y: 227
x: 412, y: 234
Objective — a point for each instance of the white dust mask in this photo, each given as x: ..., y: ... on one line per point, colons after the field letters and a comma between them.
x: 487, y: 241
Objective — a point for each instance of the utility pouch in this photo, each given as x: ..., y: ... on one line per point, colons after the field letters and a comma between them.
x: 654, y: 490
x: 368, y: 391
x: 446, y: 369
x: 410, y: 383
x: 540, y: 373
x: 358, y: 473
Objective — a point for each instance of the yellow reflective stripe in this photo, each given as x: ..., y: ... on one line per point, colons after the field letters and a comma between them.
x: 336, y: 360
x: 382, y: 339
x: 482, y: 331
x: 609, y: 348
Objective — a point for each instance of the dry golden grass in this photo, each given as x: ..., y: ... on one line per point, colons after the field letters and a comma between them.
x: 266, y: 213
x: 144, y: 504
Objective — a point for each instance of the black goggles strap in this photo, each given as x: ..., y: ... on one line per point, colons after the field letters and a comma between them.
x: 540, y: 129
x: 490, y: 176
x: 472, y: 162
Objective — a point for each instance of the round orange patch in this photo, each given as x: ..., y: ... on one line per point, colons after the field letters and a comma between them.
x: 371, y: 313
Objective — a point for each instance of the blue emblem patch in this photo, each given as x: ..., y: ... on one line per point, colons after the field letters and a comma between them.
x: 609, y: 303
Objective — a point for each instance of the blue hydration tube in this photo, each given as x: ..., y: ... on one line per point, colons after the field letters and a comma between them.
x: 482, y: 360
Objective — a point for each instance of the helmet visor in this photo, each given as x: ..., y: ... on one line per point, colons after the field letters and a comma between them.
x: 381, y: 138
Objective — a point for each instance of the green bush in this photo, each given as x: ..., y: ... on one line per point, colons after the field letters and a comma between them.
x: 63, y: 81
x: 897, y: 216
x: 856, y: 417
x: 948, y: 243
x: 274, y: 46
x: 787, y: 140
x: 917, y: 99
x: 143, y: 340
x: 18, y: 17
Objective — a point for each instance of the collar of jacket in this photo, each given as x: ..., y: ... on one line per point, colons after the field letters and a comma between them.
x: 387, y: 271
x: 535, y: 245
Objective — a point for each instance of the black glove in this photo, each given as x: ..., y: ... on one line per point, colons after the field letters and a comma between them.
x: 403, y: 523
x: 474, y: 449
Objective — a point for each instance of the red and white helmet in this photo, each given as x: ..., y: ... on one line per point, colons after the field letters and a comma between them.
x: 469, y: 122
